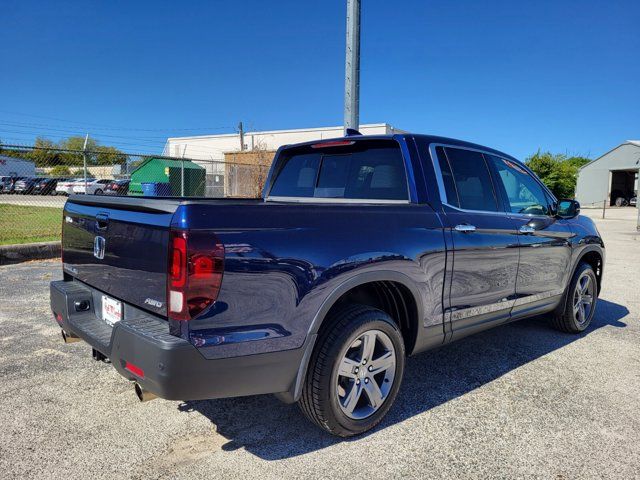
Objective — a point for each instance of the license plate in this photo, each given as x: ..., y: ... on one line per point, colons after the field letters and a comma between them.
x: 111, y: 310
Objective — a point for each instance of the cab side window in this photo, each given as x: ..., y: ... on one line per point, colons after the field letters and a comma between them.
x: 466, y: 179
x: 524, y: 193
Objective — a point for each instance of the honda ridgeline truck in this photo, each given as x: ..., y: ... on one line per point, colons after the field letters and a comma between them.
x: 363, y: 250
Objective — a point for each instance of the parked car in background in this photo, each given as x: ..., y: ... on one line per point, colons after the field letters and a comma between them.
x: 66, y: 187
x: 117, y: 187
x: 624, y: 198
x: 634, y: 200
x: 46, y: 186
x: 9, y: 184
x: 5, y: 183
x: 93, y: 187
x: 364, y: 250
x: 25, y: 185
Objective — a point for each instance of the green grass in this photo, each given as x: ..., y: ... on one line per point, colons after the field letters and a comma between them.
x: 21, y: 224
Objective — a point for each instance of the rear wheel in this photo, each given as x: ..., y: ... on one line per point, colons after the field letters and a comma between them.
x: 98, y: 192
x: 355, y: 371
x: 580, y: 302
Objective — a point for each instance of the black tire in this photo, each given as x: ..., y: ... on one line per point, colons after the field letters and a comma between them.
x: 567, y: 320
x: 98, y: 192
x: 319, y: 400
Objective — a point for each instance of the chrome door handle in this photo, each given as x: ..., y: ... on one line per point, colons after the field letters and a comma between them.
x: 527, y: 230
x: 463, y: 227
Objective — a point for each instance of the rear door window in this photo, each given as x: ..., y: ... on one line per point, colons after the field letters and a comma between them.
x: 467, y: 180
x: 365, y: 169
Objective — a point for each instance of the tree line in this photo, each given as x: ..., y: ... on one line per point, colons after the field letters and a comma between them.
x: 48, y: 153
x: 558, y: 171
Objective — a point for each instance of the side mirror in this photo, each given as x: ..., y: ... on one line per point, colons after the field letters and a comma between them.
x: 568, y: 208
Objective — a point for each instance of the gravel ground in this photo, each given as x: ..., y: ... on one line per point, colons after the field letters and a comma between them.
x: 518, y: 401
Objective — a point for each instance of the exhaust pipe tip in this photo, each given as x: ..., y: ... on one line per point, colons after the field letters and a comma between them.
x: 143, y: 394
x: 69, y: 337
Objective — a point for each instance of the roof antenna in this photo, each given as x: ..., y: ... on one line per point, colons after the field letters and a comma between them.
x: 351, y: 132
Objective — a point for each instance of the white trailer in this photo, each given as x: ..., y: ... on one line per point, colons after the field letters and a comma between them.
x: 16, y: 167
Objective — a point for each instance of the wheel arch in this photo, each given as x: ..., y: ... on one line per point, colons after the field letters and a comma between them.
x: 394, y: 292
x: 593, y: 256
x: 399, y: 297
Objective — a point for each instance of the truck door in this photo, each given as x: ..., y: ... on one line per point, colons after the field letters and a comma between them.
x: 545, y: 250
x: 485, y: 242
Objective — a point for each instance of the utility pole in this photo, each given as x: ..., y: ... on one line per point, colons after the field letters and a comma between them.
x: 352, y: 67
x: 241, y: 129
x: 84, y: 160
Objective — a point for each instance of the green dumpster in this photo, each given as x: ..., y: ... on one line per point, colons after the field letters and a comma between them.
x: 164, y: 170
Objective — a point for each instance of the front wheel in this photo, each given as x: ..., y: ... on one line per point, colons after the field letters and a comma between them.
x: 580, y: 302
x: 355, y: 371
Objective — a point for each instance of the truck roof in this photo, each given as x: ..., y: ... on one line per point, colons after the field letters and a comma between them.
x: 427, y: 138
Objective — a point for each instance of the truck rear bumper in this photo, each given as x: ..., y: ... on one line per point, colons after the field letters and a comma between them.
x: 166, y: 365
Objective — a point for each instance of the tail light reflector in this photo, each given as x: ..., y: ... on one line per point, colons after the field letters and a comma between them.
x: 196, y: 265
x: 134, y: 369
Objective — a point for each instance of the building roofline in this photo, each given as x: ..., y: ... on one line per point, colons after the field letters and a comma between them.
x: 269, y: 132
x: 635, y: 143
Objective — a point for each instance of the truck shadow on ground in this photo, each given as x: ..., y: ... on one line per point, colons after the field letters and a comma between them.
x: 271, y: 430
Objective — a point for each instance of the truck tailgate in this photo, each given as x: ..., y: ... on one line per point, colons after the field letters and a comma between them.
x: 120, y: 247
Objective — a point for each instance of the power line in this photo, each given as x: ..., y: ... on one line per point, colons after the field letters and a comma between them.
x: 76, y: 133
x: 202, y: 149
x: 63, y: 136
x: 112, y: 127
x: 135, y: 154
x: 68, y: 130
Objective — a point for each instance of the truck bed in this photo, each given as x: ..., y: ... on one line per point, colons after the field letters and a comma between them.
x: 157, y: 204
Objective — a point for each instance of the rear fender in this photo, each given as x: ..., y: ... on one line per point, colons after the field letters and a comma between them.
x: 320, y: 316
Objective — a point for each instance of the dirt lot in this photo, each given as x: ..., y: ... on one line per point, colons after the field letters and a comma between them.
x: 519, y: 401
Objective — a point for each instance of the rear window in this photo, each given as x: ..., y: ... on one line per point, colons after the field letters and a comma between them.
x: 367, y: 169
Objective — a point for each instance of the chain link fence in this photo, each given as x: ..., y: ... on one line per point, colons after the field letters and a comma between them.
x: 35, y: 183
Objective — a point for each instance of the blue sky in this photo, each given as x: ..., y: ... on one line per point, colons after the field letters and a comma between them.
x: 518, y: 76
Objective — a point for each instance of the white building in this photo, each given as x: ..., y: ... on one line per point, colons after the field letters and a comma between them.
x: 16, y: 167
x: 213, y: 147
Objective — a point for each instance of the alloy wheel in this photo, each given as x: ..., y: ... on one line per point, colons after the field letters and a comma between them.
x: 583, y: 298
x: 365, y: 374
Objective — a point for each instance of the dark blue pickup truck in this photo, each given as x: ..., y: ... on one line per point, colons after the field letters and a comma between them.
x: 363, y: 250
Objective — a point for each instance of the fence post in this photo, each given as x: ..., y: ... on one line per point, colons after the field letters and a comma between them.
x: 84, y: 161
x: 604, y: 206
x: 182, y: 178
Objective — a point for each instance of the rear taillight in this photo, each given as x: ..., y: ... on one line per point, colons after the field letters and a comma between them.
x: 196, y: 264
